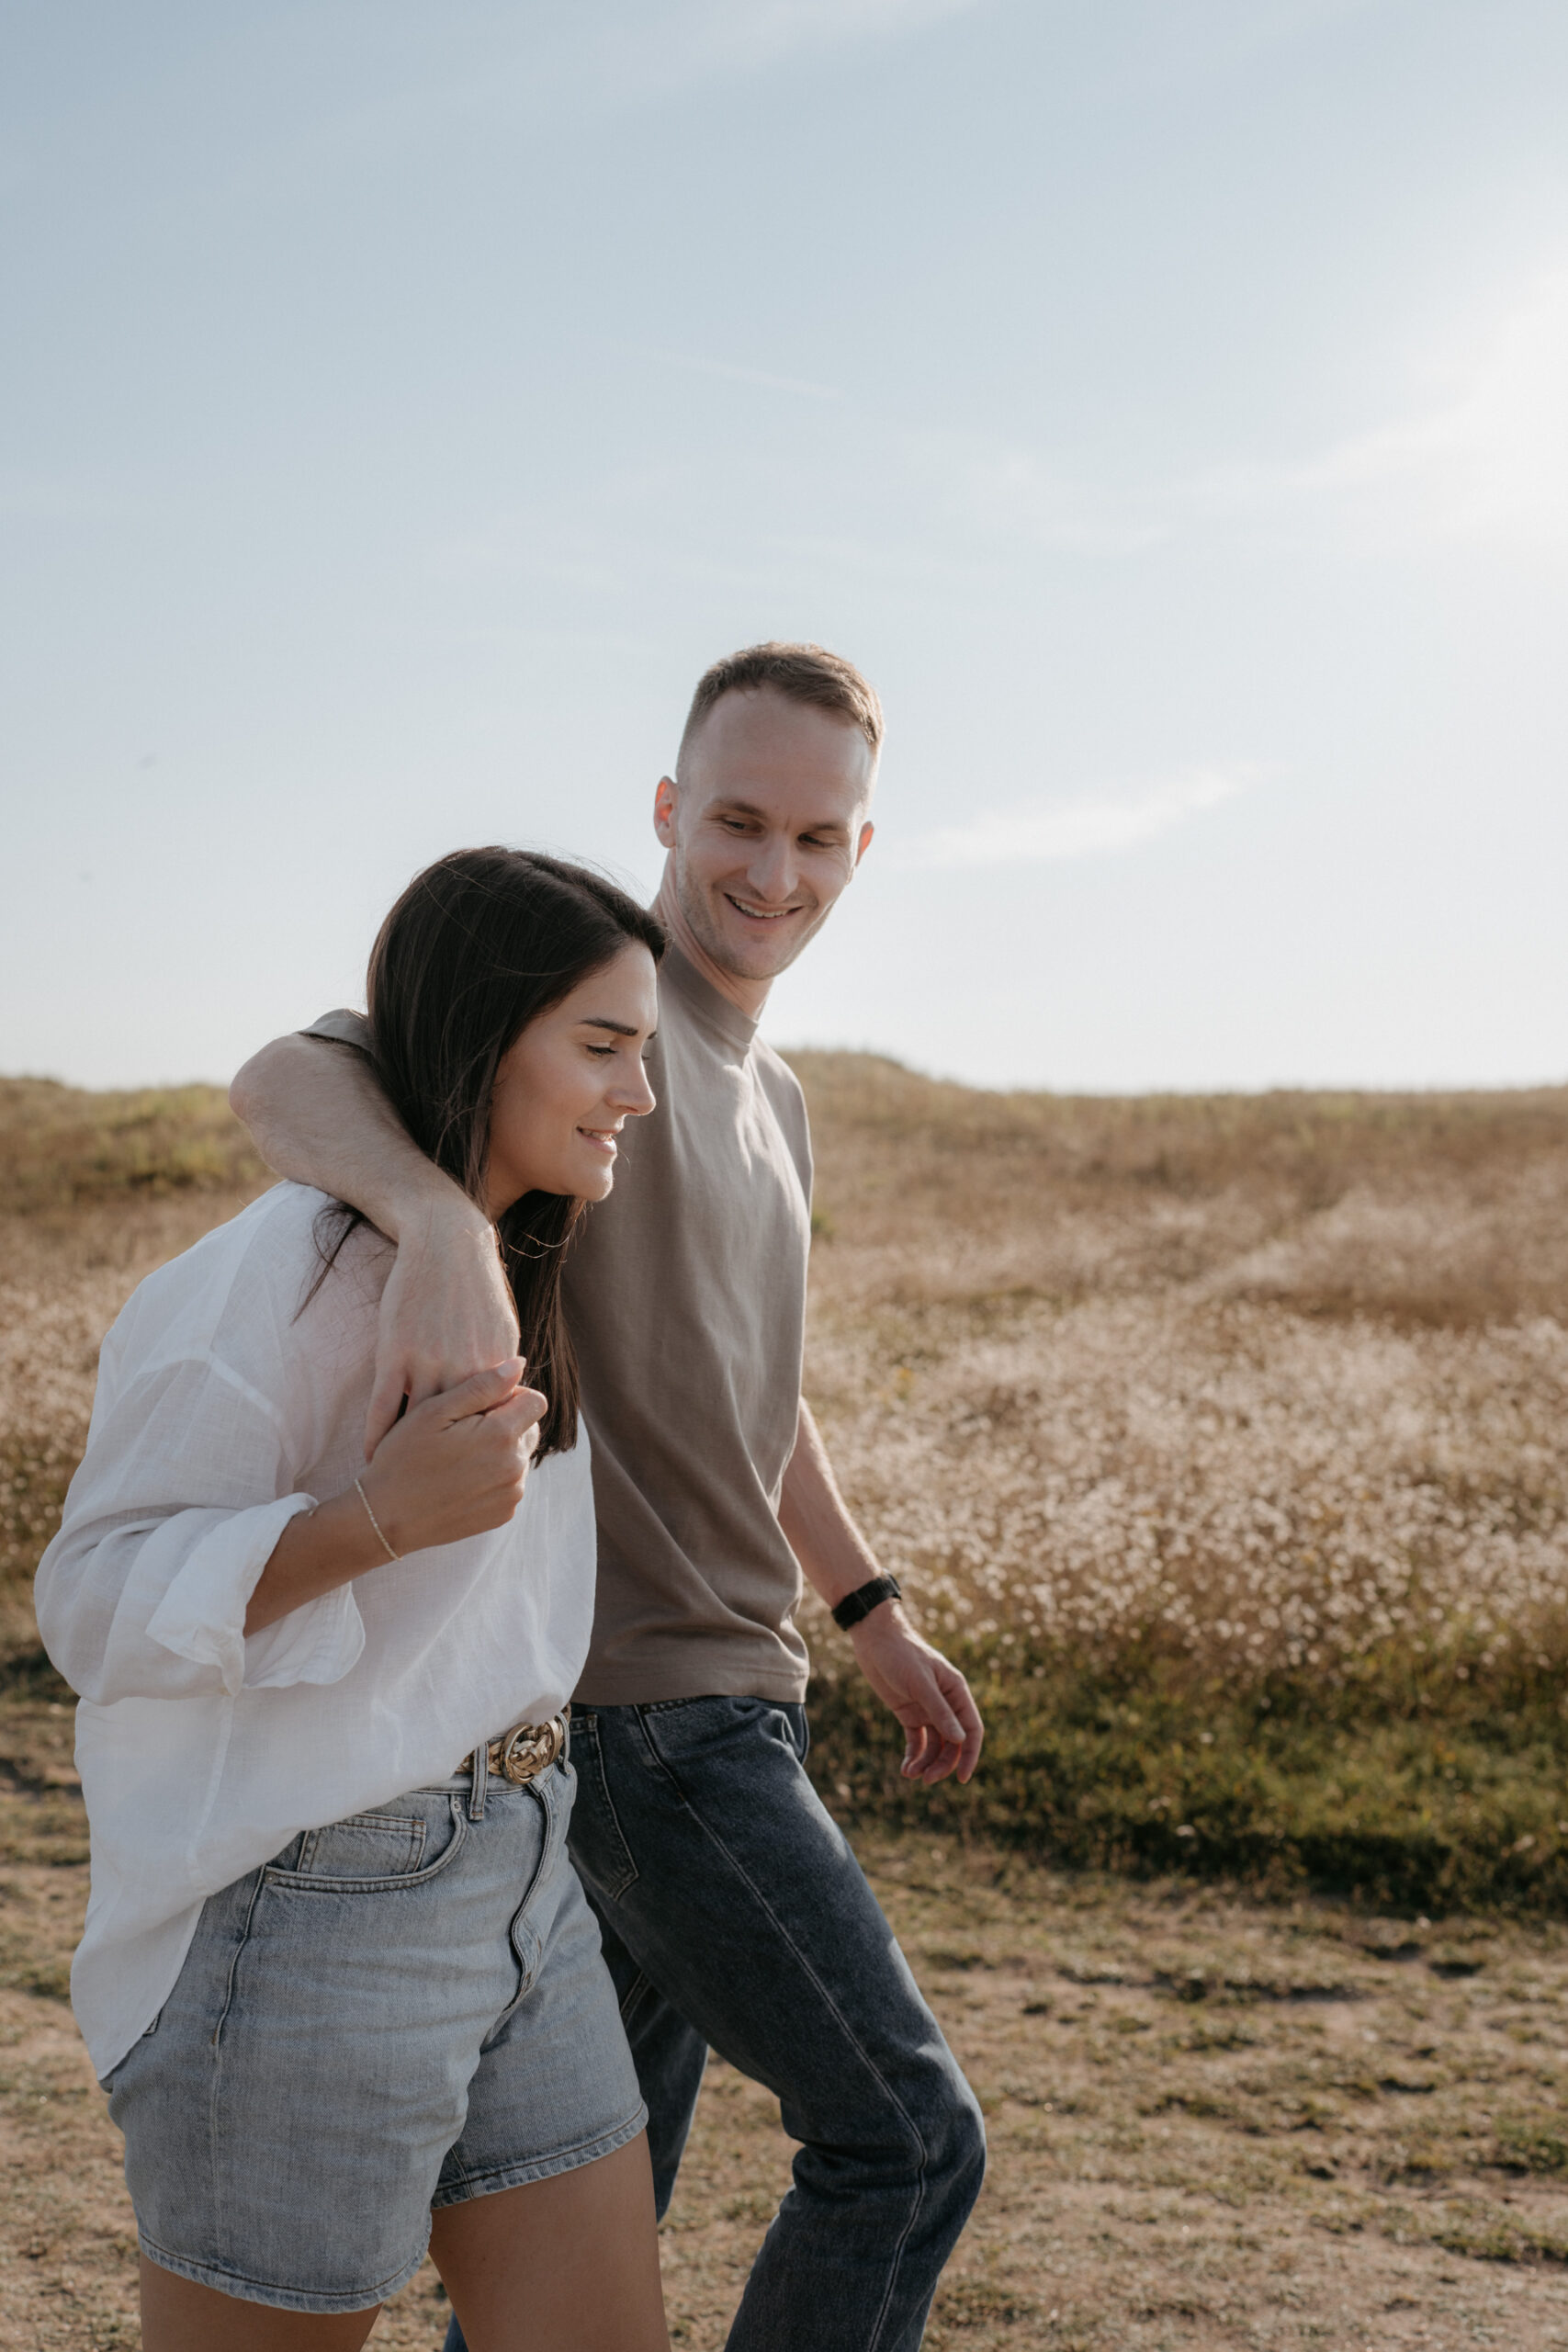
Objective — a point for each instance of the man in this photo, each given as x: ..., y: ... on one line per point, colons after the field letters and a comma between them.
x: 734, y: 1915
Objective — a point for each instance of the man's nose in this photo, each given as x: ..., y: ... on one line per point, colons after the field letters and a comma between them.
x: 772, y: 869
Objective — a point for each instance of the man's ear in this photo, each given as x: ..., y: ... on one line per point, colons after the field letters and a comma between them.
x: 863, y: 843
x: 664, y: 810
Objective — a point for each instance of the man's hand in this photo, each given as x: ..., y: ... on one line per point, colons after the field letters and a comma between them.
x: 942, y: 1731
x: 447, y: 1313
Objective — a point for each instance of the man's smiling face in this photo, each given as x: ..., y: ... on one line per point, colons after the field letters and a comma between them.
x: 766, y: 825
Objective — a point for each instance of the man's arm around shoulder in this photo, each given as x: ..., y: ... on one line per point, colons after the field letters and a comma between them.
x: 318, y: 1116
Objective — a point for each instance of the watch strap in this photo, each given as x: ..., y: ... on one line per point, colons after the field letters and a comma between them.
x: 867, y: 1597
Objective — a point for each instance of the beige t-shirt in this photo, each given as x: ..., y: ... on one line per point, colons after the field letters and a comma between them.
x: 686, y: 1295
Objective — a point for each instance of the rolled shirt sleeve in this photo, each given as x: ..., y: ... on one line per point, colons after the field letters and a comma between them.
x: 168, y: 1525
x: 201, y: 1616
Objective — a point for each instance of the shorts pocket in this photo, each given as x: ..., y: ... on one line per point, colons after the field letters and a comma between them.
x: 370, y: 1852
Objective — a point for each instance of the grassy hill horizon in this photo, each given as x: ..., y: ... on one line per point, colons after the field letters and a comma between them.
x: 1222, y: 1436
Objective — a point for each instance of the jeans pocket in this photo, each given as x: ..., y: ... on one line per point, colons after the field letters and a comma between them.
x: 372, y: 1852
x: 599, y: 1846
x: 684, y: 1732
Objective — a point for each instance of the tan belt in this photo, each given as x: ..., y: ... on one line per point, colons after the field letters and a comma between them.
x: 524, y: 1751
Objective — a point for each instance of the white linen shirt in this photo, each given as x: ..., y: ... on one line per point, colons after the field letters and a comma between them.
x: 222, y: 1410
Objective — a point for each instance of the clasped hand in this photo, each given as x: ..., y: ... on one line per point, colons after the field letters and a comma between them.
x: 453, y: 1467
x: 456, y: 1464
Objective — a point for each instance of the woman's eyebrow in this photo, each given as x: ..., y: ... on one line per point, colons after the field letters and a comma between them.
x: 621, y: 1028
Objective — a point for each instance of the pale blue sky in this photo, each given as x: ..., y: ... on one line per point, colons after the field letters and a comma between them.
x: 1165, y: 400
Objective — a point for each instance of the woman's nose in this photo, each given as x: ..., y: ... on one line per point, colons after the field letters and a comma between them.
x: 636, y: 1097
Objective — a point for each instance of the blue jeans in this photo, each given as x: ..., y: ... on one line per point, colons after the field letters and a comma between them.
x: 734, y: 1915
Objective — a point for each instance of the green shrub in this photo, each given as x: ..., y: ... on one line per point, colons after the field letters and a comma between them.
x: 1411, y: 1795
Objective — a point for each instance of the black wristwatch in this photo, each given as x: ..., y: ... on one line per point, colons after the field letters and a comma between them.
x: 860, y: 1604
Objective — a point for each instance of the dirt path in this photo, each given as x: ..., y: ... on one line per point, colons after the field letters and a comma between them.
x: 1211, y: 2124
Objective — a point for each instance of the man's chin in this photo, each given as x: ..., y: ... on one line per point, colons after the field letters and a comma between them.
x: 744, y: 951
x: 750, y: 954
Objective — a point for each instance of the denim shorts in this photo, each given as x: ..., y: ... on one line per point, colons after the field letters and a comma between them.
x: 398, y: 2011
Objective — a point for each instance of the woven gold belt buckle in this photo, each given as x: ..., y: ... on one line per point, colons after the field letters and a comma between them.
x: 528, y: 1749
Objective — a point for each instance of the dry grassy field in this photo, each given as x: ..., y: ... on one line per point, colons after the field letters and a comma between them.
x: 1224, y: 1438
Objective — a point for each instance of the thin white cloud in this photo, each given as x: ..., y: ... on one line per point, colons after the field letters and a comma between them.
x: 68, y: 499
x: 1086, y: 828
x: 520, y: 67
x: 733, y: 374
x: 636, y: 54
x: 1485, y: 458
x: 1011, y: 492
x: 759, y: 32
x: 1211, y: 41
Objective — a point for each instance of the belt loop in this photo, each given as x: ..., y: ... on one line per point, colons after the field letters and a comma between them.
x: 479, y: 1764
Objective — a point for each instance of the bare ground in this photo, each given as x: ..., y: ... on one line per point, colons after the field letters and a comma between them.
x: 1213, y: 2122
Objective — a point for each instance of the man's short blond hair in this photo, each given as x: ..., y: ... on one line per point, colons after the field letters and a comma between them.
x: 807, y: 673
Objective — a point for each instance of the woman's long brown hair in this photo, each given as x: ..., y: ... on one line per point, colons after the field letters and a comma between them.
x: 479, y: 945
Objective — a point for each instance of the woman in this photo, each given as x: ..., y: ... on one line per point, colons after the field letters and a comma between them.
x: 338, y: 1976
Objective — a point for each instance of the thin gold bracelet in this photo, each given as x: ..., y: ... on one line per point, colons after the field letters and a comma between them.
x: 375, y: 1523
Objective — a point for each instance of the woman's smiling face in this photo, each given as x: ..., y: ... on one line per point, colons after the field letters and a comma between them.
x: 567, y: 1086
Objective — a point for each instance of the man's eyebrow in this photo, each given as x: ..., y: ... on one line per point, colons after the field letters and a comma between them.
x: 749, y: 809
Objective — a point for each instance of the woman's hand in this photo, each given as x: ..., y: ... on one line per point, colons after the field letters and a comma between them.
x: 453, y: 1467
x: 456, y: 1464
